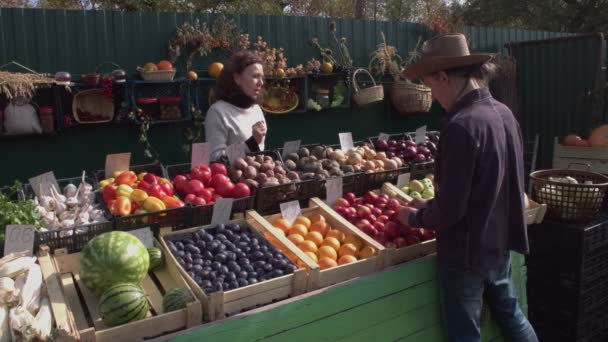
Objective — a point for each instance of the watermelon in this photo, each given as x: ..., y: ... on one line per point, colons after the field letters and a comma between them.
x: 156, y: 258
x: 112, y: 258
x: 176, y: 299
x: 123, y: 303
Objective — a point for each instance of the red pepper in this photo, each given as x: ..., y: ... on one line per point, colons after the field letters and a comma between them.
x: 167, y: 188
x: 143, y: 185
x: 108, y: 193
x: 134, y: 207
x: 172, y: 202
x: 155, y: 190
x: 151, y: 178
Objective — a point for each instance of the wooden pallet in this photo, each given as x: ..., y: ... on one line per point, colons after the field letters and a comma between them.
x: 217, y: 304
x: 321, y: 278
x: 81, y: 305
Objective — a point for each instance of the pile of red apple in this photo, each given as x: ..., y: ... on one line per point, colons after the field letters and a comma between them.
x: 205, y: 184
x: 376, y: 215
x: 407, y: 149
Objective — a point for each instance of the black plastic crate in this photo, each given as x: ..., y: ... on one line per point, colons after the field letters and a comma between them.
x: 421, y: 170
x: 268, y: 199
x: 374, y: 180
x: 156, y: 169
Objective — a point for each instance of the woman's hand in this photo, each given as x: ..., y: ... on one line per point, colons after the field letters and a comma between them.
x: 259, y: 131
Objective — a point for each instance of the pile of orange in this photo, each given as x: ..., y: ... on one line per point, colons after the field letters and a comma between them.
x: 326, y: 246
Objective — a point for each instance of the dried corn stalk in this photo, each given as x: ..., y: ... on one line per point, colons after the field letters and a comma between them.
x: 17, y: 84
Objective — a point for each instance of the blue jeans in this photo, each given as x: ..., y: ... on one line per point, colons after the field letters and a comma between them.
x: 461, y: 300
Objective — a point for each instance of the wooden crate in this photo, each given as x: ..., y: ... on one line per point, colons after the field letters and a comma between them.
x: 535, y: 213
x: 82, y: 305
x: 595, y: 157
x: 321, y: 278
x: 217, y: 304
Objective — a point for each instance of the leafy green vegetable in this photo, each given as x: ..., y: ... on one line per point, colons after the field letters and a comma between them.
x: 13, y: 211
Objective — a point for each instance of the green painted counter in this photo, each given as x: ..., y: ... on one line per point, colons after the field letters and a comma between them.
x: 400, y: 303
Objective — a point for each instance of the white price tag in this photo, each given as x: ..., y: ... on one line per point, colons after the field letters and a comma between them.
x: 384, y: 136
x: 41, y: 184
x: 235, y: 151
x: 420, y: 135
x: 145, y: 236
x: 201, y: 153
x: 346, y: 141
x: 290, y: 211
x: 403, y: 180
x: 291, y: 147
x: 19, y: 238
x: 333, y: 187
x: 222, y: 210
x: 117, y: 162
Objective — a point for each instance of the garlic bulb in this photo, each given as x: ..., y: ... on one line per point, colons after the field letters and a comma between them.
x: 7, y: 288
x: 96, y: 214
x: 86, y: 186
x: 41, y: 211
x: 67, y: 215
x: 70, y: 190
x: 67, y: 223
x: 58, y: 197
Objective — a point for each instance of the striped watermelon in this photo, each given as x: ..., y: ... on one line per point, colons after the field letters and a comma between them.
x: 156, y: 258
x: 176, y: 299
x: 112, y: 258
x: 123, y: 303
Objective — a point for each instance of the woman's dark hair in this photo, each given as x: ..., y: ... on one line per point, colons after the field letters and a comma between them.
x: 226, y: 88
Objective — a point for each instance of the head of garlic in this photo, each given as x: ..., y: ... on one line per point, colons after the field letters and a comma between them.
x: 70, y: 190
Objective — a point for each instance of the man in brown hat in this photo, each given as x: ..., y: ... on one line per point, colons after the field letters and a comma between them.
x: 478, y: 211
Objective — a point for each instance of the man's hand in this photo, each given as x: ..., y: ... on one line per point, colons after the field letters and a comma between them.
x: 418, y: 203
x: 404, y: 214
x: 259, y: 131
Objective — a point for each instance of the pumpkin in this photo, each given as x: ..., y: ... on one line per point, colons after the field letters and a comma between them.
x: 599, y: 137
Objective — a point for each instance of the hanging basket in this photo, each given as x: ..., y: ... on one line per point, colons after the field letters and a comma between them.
x: 92, y: 106
x: 94, y: 77
x: 365, y: 96
x: 409, y: 97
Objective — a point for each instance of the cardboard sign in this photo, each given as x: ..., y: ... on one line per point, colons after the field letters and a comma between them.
x: 235, y: 151
x: 19, y: 238
x: 291, y: 147
x: 144, y: 235
x: 346, y: 141
x: 384, y: 136
x: 201, y: 153
x: 333, y: 188
x: 222, y: 210
x: 403, y: 180
x: 290, y: 211
x: 420, y: 136
x: 41, y: 184
x: 117, y: 162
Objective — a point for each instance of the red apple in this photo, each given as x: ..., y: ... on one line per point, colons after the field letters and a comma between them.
x: 393, y: 204
x: 202, y: 173
x: 241, y: 190
x: 206, y: 194
x: 381, y: 206
x: 189, y: 198
x: 412, y: 239
x: 370, y: 206
x: 341, y: 211
x: 380, y: 200
x: 350, y: 197
x: 379, y: 226
x: 376, y: 212
x: 363, y: 222
x: 400, y: 242
x: 391, y: 230
x: 364, y: 211
x: 225, y: 189
x: 194, y: 186
x: 359, y: 201
x: 351, y: 212
x: 371, y: 218
x: 385, y: 196
x: 382, y: 219
x: 199, y: 201
x: 427, y: 234
x: 180, y: 181
x: 388, y: 213
x: 219, y: 169
x: 369, y: 230
x: 353, y: 219
x: 218, y: 179
x: 370, y: 197
x: 341, y: 202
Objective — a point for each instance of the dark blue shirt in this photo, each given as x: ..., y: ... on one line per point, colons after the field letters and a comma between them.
x: 478, y: 210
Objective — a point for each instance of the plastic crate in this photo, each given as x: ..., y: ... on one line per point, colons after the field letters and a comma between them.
x: 421, y: 170
x: 159, y: 89
x: 374, y: 180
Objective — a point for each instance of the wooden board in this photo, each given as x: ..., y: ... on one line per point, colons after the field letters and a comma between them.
x: 217, y: 304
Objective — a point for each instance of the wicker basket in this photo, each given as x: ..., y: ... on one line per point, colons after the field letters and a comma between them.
x: 570, y: 202
x: 365, y: 96
x: 160, y: 75
x: 409, y: 97
x: 95, y: 102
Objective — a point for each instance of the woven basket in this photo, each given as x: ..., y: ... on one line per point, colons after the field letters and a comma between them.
x: 365, y: 96
x: 160, y: 75
x: 409, y: 97
x: 570, y: 202
x: 95, y: 102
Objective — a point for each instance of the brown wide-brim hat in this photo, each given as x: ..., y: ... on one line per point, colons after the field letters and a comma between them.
x: 444, y: 52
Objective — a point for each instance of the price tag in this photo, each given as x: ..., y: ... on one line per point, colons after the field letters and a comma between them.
x: 117, y: 162
x: 346, y: 141
x: 41, y: 184
x: 235, y: 151
x: 19, y: 238
x: 201, y: 153
x: 222, y: 210
x: 145, y: 236
x: 403, y: 180
x: 333, y: 186
x: 420, y: 135
x: 291, y: 147
x: 383, y: 136
x: 290, y: 211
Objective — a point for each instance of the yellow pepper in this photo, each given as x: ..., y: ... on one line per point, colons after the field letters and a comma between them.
x: 152, y: 204
x: 117, y: 173
x: 105, y: 182
x: 138, y: 196
x: 124, y: 190
x: 140, y: 176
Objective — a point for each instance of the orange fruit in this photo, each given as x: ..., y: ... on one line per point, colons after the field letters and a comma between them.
x: 279, y: 231
x: 321, y: 227
x: 313, y: 256
x: 325, y: 263
x: 316, y: 218
x: 355, y: 240
x: 283, y: 224
x: 215, y: 69
x: 298, y: 229
x: 336, y: 234
x: 366, y: 252
x: 315, y: 237
x: 331, y: 242
x: 327, y: 252
x: 164, y: 65
x: 347, y: 249
x: 296, y: 238
x: 303, y: 220
x: 307, y: 246
x: 346, y: 259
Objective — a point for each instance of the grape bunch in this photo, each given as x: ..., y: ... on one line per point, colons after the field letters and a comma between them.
x: 106, y: 86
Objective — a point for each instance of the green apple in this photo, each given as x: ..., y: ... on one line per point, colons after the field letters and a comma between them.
x: 428, y: 184
x: 415, y: 194
x: 406, y: 189
x: 417, y: 186
x: 428, y: 194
